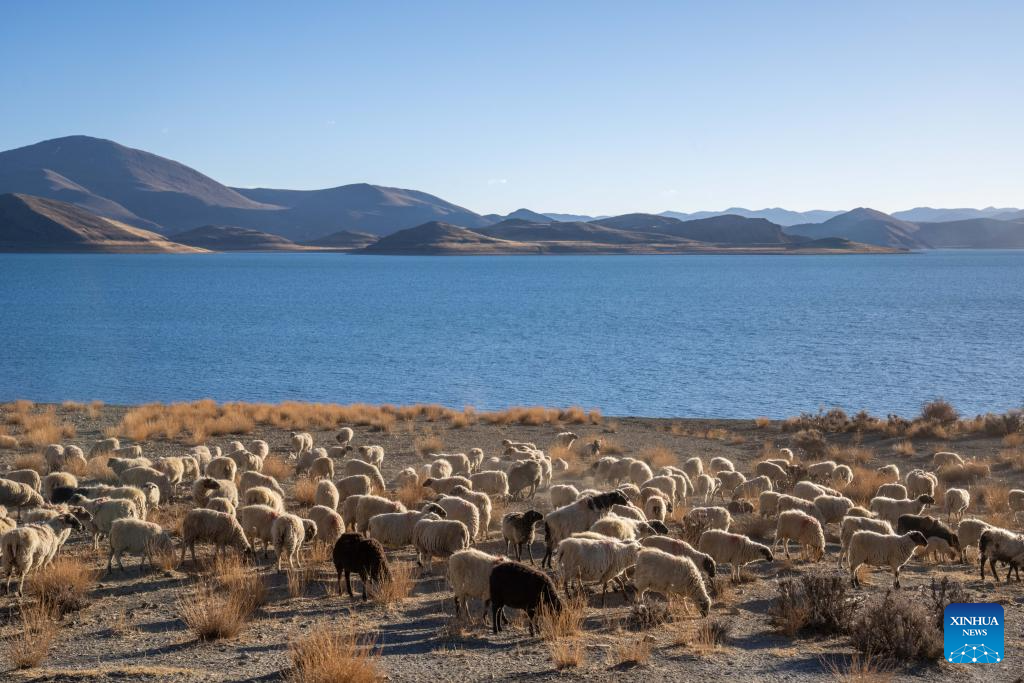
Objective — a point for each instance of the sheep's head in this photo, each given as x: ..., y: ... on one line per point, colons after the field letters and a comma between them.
x: 435, y: 509
x: 309, y: 526
x: 709, y: 567
x: 926, y: 499
x: 954, y: 542
x: 918, y: 538
x: 531, y: 517
x: 209, y: 484
x: 658, y: 526
x: 69, y: 521
x: 767, y: 554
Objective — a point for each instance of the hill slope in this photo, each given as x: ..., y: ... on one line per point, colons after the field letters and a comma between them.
x: 344, y: 239
x: 725, y: 230
x: 233, y: 238
x: 777, y: 215
x: 442, y: 238
x: 868, y: 226
x: 35, y: 224
x: 979, y: 233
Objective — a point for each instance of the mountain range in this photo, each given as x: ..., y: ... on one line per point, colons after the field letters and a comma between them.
x: 67, y: 192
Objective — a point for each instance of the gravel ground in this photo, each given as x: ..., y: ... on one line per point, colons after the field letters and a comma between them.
x: 131, y: 627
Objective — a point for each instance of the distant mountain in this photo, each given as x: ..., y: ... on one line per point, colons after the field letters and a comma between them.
x: 1010, y: 216
x: 564, y: 231
x: 233, y: 238
x: 35, y: 224
x: 783, y: 217
x: 978, y: 233
x: 867, y: 226
x: 725, y: 230
x: 443, y: 238
x: 519, y: 214
x: 344, y: 239
x: 926, y: 214
x: 572, y: 217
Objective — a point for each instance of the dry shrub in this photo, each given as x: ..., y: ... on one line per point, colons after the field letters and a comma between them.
x: 220, y: 607
x: 392, y: 591
x: 991, y: 497
x: 31, y: 643
x: 816, y: 601
x: 383, y: 422
x: 904, y: 448
x: 235, y: 577
x: 859, y: 669
x: 1014, y: 457
x: 939, y: 410
x: 968, y: 473
x: 658, y: 456
x: 611, y: 447
x: 35, y: 461
x: 567, y: 653
x: 702, y: 636
x: 428, y: 443
x: 574, y: 415
x: 570, y: 456
x: 464, y: 419
x: 278, y: 468
x: 170, y: 516
x: 630, y: 652
x: 594, y: 416
x: 98, y: 469
x: 304, y: 491
x: 325, y: 655
x: 896, y: 628
x: 1015, y: 440
x: 932, y: 429
x: 8, y: 442
x: 761, y: 422
x: 850, y: 455
x: 533, y: 416
x: 410, y: 495
x: 810, y: 441
x: 865, y: 483
x: 564, y: 623
x: 40, y: 429
x: 64, y: 585
x: 298, y: 579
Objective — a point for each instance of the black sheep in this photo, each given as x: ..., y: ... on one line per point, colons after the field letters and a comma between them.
x: 523, y: 523
x: 929, y: 526
x: 514, y: 584
x: 740, y: 506
x: 364, y: 556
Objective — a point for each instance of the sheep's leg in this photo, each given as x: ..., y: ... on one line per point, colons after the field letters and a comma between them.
x: 348, y: 583
x: 531, y: 614
x: 110, y: 561
x: 529, y: 550
x: 896, y: 573
x: 495, y: 618
x: 362, y: 577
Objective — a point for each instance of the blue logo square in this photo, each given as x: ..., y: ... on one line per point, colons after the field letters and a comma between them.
x: 973, y: 633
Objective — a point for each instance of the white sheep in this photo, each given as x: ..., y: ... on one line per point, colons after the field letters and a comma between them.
x: 104, y: 446
x: 326, y: 494
x: 957, y: 502
x: 832, y: 509
x: 969, y: 533
x: 656, y: 508
x: 768, y: 503
x: 639, y: 472
x: 304, y: 460
x: 842, y: 477
x: 881, y: 550
x: 139, y: 476
x: 821, y: 471
x: 469, y: 575
x: 137, y: 537
x: 936, y: 550
x: 483, y: 505
x: 890, y: 509
x: 631, y: 490
x: 733, y: 549
x: 491, y: 482
x: 631, y: 511
x: 459, y: 462
x: 302, y: 442
x: 775, y: 472
x: 802, y: 528
x: 250, y: 479
x: 476, y: 458
x: 14, y: 494
x: 562, y: 494
x: 664, y: 483
x: 257, y: 522
x: 259, y: 448
x: 105, y: 512
x: 730, y: 480
x: 752, y: 488
x: 222, y: 468
x: 585, y: 560
x: 693, y: 467
x: 394, y: 529
x: 33, y: 546
x: 354, y: 485
x: 261, y: 495
x: 462, y: 510
x: 203, y: 455
x: 368, y: 506
x: 134, y: 451
x: 438, y: 468
x: 705, y: 486
x: 220, y: 505
x: 373, y: 455
x: 438, y: 538
x: 787, y: 502
x: 211, y: 526
x: 444, y: 485
x: 719, y: 464
x: 622, y: 528
x: 406, y: 477
x: 329, y: 524
x: 347, y: 509
x: 60, y: 458
x: 680, y: 548
x: 30, y: 477
x: 345, y: 436
x: 321, y: 468
x: 359, y: 467
x: 525, y: 475
x: 661, y: 572
x: 890, y: 473
x: 896, y: 491
x: 851, y: 525
x: 809, y: 490
x: 246, y: 461
x: 708, y: 518
x: 118, y: 465
x: 55, y: 480
x: 288, y: 533
x: 943, y: 458
x: 920, y: 482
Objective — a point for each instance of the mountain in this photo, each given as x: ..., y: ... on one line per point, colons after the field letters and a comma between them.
x: 724, y: 230
x: 344, y: 239
x: 571, y: 217
x: 868, y: 226
x: 519, y: 214
x: 443, y: 238
x: 1010, y: 216
x: 978, y: 233
x: 779, y: 216
x: 233, y: 238
x: 35, y: 224
x: 926, y: 214
x: 558, y: 231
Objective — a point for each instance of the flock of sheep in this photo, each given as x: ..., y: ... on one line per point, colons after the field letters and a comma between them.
x: 613, y: 533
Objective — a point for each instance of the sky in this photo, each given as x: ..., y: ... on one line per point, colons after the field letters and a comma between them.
x: 589, y: 107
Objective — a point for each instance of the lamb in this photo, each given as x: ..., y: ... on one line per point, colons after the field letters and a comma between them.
x: 693, y: 467
x: 943, y: 458
x: 222, y: 468
x: 821, y: 471
x: 33, y: 546
x: 832, y: 509
x: 957, y: 501
x: 842, y: 477
x: 289, y: 532
x: 373, y: 455
x: 438, y: 538
x: 104, y: 446
x: 897, y: 491
x: 585, y: 559
x: 438, y: 468
x: 936, y: 549
x: 138, y: 537
x: 518, y: 529
x: 220, y: 505
x: 469, y: 575
x: 323, y: 468
x: 15, y: 494
x: 802, y: 528
x: 368, y: 506
x: 204, y: 488
x: 30, y: 477
x: 639, y: 471
x: 139, y: 476
x: 55, y: 480
x: 476, y: 458
x: 733, y: 549
x: 246, y: 461
x: 491, y: 482
x: 668, y: 574
x: 880, y: 550
x: 575, y: 517
x: 443, y: 486
x: 752, y: 488
x: 1001, y: 545
x: 354, y: 485
x: 768, y: 503
x: 483, y: 504
x: 516, y: 585
x: 302, y: 442
x: 173, y: 467
x: 344, y: 436
x: 920, y: 482
x: 969, y: 533
x: 777, y: 474
x: 119, y: 465
x: 261, y: 495
x: 851, y: 525
x: 105, y: 512
x: 562, y: 494
x: 890, y: 509
x: 211, y: 526
x: 682, y: 549
x: 708, y: 518
x: 329, y: 524
x: 406, y: 477
x: 251, y: 479
x: 352, y: 467
x: 464, y: 511
x: 890, y: 473
x: 326, y: 494
x: 522, y: 476
x: 257, y: 522
x: 394, y: 529
x: 624, y: 529
x: 705, y: 486
x: 730, y: 480
x: 363, y: 556
x: 809, y: 490
x: 656, y: 508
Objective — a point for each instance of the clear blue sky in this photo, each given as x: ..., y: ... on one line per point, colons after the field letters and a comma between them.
x: 558, y: 106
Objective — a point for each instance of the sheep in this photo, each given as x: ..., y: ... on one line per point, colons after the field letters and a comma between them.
x: 518, y: 530
x: 639, y: 471
x: 896, y: 491
x: 203, y: 488
x: 752, y: 488
x: 257, y: 523
x: 832, y: 509
x: 251, y: 479
x: 624, y: 529
x: 173, y: 467
x: 220, y: 505
x: 881, y: 550
x: 708, y: 518
x: 733, y: 549
x: 469, y: 575
x: 438, y: 468
x: 119, y: 465
x: 18, y: 495
x: 222, y: 468
x: 476, y: 458
x: 458, y: 461
x: 631, y: 490
x: 920, y: 482
x: 302, y: 442
x: 55, y: 480
x: 821, y: 471
x: 211, y: 526
x: 705, y: 486
x: 972, y: 471
x: 969, y: 533
x: 462, y: 510
x: 656, y: 508
x: 842, y: 477
x: 601, y: 469
x: 289, y: 532
x: 30, y: 477
x: 33, y: 546
x: 787, y: 502
x: 890, y: 473
x: 936, y: 549
x: 787, y: 454
x: 516, y: 585
x: 59, y: 458
x: 669, y: 574
x: 326, y: 494
x: 246, y: 461
x: 235, y: 446
x: 483, y: 504
x: 740, y: 507
x: 730, y: 480
x: 943, y: 458
x: 562, y: 494
x: 858, y: 511
x: 682, y: 549
x: 152, y: 493
x: 329, y: 524
x: 105, y: 512
x: 1015, y: 499
x: 354, y: 485
x: 193, y: 469
x: 768, y: 503
x: 407, y: 477
x: 777, y: 474
x: 851, y: 525
x: 809, y: 490
x: 259, y: 448
x: 443, y: 486
x: 323, y: 468
x: 394, y: 529
x: 344, y: 436
x: 802, y: 528
x: 368, y: 506
x: 352, y: 467
x: 138, y: 537
x: 261, y: 495
x: 693, y: 467
x: 373, y: 455
x: 575, y: 517
x: 104, y: 446
x: 890, y: 509
x: 586, y: 559
x: 1001, y: 545
x: 138, y: 476
x: 438, y: 538
x: 957, y: 501
x: 522, y: 476
x: 719, y: 464
x: 347, y: 509
x: 663, y: 483
x: 203, y: 455
x: 564, y: 439
x: 363, y: 556
x: 631, y: 511
x: 305, y: 459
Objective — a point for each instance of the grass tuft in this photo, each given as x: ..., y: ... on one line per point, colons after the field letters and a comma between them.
x: 326, y: 655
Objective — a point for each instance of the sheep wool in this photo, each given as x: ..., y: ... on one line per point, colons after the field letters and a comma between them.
x: 469, y: 575
x: 661, y: 572
x: 438, y: 538
x: 329, y: 524
x: 491, y: 482
x: 794, y: 525
x: 851, y: 525
x: 288, y: 532
x: 680, y: 548
x: 733, y: 549
x: 139, y: 538
x: 880, y: 550
x: 210, y: 526
x: 326, y: 494
x: 591, y: 560
x: 957, y: 502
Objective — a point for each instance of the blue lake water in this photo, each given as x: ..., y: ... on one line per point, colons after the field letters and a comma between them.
x: 728, y: 336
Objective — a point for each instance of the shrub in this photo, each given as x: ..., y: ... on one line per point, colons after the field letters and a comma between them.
x: 566, y: 622
x: 34, y: 461
x: 859, y: 669
x: 397, y: 587
x: 567, y: 653
x: 939, y: 410
x: 428, y: 443
x: 658, y: 456
x: 897, y: 627
x: 931, y: 429
x: 904, y: 448
x: 278, y: 468
x: 810, y: 441
x: 850, y: 455
x: 817, y: 601
x: 64, y: 585
x: 703, y: 636
x: 304, y: 491
x: 31, y: 643
x: 631, y: 652
x: 761, y: 422
x: 213, y: 613
x: 325, y: 655
x: 8, y: 442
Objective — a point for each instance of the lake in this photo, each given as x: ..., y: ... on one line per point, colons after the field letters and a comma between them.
x: 707, y: 336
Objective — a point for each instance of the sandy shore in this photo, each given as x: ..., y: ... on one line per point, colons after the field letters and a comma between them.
x: 131, y: 626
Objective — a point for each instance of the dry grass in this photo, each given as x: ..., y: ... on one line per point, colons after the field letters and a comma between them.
x: 64, y: 585
x: 992, y: 497
x: 299, y: 579
x: 761, y: 422
x: 610, y: 446
x: 170, y: 516
x: 32, y: 461
x: 392, y: 591
x: 464, y: 419
x: 658, y: 457
x: 865, y: 483
x: 630, y: 652
x: 810, y: 441
x: 278, y: 468
x: 566, y: 622
x: 570, y: 456
x: 567, y: 653
x: 939, y: 411
x: 30, y: 644
x: 904, y: 448
x: 410, y: 494
x: 859, y: 669
x: 221, y: 607
x: 701, y: 636
x: 326, y: 655
x: 850, y: 455
x: 1014, y: 457
x: 304, y: 491
x: 428, y: 443
x: 1015, y: 440
x: 40, y: 429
